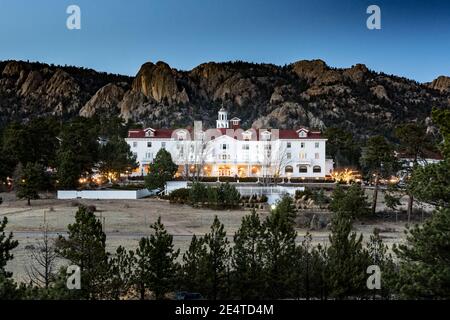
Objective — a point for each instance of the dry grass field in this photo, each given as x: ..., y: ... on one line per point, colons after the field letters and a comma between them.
x: 126, y: 221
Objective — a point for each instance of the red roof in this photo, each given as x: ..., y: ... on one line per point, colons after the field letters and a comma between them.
x: 158, y: 133
x: 283, y: 134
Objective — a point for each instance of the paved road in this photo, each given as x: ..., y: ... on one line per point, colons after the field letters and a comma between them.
x: 132, y: 235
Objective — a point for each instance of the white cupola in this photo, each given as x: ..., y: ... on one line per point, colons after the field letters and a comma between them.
x: 222, y: 120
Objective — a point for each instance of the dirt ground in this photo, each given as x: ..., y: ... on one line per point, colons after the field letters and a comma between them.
x: 126, y: 221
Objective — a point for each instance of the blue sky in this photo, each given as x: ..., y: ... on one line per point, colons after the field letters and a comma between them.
x: 119, y: 36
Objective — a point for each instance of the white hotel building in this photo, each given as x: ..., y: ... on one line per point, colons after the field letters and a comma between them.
x: 229, y: 150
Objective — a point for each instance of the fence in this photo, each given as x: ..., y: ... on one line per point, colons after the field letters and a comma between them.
x: 103, y: 194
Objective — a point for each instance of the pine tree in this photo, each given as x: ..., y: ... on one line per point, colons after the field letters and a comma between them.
x: 162, y: 261
x: 193, y: 272
x: 121, y: 270
x: 351, y: 203
x: 279, y: 248
x: 8, y: 289
x: 161, y: 170
x: 85, y: 247
x: 425, y: 259
x: 7, y: 244
x: 347, y: 260
x: 247, y: 259
x: 217, y: 261
x: 29, y: 181
x: 378, y: 160
x: 379, y: 256
x: 115, y: 158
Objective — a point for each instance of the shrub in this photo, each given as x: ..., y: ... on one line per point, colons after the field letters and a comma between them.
x: 179, y: 195
x: 213, y: 197
x: 197, y: 193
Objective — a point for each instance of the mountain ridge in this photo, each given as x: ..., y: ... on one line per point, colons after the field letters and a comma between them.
x: 306, y: 92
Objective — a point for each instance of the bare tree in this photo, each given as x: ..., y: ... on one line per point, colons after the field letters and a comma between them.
x: 280, y: 161
x: 41, y: 270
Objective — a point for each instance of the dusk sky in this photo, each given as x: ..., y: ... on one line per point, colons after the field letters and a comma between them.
x: 119, y: 36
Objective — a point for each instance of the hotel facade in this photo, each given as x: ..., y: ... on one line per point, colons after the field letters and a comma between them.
x: 228, y: 150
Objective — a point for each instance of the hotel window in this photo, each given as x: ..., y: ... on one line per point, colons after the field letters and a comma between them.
x: 288, y: 145
x: 317, y: 169
x: 302, y: 145
x: 135, y: 144
x: 317, y: 155
x: 317, y: 145
x: 149, y: 144
x: 303, y: 155
x: 267, y: 147
x: 288, y: 155
x: 245, y: 147
x: 303, y: 169
x: 224, y: 146
x: 149, y: 155
x: 163, y: 145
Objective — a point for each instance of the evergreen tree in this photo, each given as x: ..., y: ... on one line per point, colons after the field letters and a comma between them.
x: 414, y: 142
x: 193, y: 271
x: 430, y: 183
x: 379, y: 256
x: 7, y: 244
x: 161, y: 170
x: 78, y: 152
x: 29, y: 181
x: 115, y: 158
x: 351, y: 203
x: 85, y: 247
x: 378, y: 160
x: 247, y: 259
x: 217, y: 261
x: 162, y: 261
x: 279, y: 248
x: 425, y: 259
x: 141, y: 274
x: 347, y: 260
x: 8, y: 289
x: 342, y: 147
x: 121, y: 271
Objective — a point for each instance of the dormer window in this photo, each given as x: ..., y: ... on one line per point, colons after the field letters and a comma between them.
x: 302, y: 133
x: 149, y: 132
x: 247, y: 135
x: 235, y: 122
x: 265, y: 135
x: 181, y: 135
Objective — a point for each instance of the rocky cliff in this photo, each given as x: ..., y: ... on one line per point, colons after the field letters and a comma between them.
x: 306, y: 93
